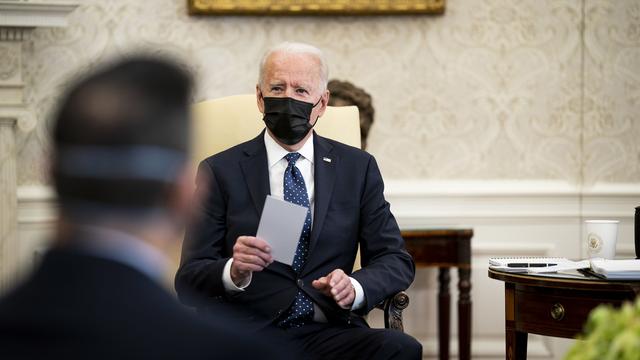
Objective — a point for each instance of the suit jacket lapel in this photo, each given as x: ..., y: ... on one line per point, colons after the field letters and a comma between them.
x: 256, y: 171
x: 324, y: 175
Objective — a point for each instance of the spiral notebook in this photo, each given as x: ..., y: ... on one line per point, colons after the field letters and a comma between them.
x: 535, y: 265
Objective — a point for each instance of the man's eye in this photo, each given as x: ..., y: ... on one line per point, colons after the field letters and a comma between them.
x: 276, y: 88
x: 301, y: 91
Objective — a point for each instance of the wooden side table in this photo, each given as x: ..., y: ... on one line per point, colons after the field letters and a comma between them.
x: 553, y: 306
x: 447, y: 248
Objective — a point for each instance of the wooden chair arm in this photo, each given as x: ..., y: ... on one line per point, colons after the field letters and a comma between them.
x: 393, y: 307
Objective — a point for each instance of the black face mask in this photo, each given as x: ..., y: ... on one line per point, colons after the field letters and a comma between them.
x: 287, y: 118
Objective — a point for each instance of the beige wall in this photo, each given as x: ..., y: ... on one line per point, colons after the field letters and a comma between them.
x: 494, y: 89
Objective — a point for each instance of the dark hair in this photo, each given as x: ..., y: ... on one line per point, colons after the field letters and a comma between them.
x: 121, y: 136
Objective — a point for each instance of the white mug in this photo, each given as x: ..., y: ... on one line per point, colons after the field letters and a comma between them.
x: 602, y: 236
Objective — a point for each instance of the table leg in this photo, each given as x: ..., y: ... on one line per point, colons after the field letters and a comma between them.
x: 516, y: 341
x: 444, y: 304
x: 464, y: 313
x: 516, y: 345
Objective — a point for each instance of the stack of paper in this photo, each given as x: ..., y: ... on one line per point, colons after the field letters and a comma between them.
x: 617, y: 269
x: 608, y: 269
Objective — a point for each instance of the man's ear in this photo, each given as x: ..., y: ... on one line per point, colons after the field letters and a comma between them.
x: 324, y: 102
x: 260, y: 98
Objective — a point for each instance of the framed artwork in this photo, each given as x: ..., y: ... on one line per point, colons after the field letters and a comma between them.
x: 315, y: 7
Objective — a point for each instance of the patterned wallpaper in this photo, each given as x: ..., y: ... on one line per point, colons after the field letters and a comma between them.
x: 493, y: 89
x: 612, y: 91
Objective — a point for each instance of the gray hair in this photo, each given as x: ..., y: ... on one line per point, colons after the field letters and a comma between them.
x: 297, y: 48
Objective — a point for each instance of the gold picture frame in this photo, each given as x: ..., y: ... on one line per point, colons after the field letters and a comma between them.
x: 315, y: 7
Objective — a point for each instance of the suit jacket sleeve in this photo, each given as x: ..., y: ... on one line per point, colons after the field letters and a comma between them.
x: 204, y: 251
x: 387, y: 268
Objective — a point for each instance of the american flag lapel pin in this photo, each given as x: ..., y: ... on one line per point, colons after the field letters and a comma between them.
x: 326, y: 159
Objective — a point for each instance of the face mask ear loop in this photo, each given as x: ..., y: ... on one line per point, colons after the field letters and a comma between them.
x: 316, y: 104
x: 317, y: 117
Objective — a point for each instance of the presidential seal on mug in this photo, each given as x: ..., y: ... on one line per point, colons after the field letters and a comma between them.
x: 602, y: 236
x: 595, y: 243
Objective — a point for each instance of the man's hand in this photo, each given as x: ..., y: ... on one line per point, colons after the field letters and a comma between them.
x: 338, y: 286
x: 249, y: 254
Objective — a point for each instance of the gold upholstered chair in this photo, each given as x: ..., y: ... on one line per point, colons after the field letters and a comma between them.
x: 219, y: 124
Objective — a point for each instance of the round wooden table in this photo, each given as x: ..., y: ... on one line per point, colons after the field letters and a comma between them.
x: 553, y: 306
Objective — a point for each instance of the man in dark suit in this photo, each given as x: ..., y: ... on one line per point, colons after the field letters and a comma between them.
x: 317, y: 303
x: 119, y: 167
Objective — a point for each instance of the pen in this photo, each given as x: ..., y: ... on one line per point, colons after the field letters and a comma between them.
x: 524, y: 265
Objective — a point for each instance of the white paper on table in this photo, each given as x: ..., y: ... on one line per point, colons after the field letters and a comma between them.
x: 280, y: 225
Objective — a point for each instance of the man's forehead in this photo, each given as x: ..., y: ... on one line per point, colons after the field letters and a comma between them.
x: 300, y: 66
x: 293, y: 77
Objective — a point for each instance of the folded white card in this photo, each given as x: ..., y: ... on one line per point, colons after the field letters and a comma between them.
x: 281, y: 225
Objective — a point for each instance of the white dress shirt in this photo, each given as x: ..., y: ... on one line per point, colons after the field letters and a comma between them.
x: 277, y: 165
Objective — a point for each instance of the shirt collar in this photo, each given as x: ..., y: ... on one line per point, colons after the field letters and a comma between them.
x: 124, y: 248
x: 275, y: 152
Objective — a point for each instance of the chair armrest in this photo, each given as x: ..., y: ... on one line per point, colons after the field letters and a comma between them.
x: 392, y: 308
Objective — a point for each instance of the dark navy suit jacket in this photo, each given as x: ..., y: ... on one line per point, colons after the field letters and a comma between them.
x: 350, y: 209
x: 79, y: 306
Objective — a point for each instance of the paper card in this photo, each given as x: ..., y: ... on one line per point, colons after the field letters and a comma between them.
x: 281, y: 225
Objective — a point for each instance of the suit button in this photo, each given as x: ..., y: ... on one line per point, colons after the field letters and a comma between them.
x: 300, y: 283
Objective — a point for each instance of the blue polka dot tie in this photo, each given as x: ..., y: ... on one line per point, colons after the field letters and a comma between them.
x: 295, y: 191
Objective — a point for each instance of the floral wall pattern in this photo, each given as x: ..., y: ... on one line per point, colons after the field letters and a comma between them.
x: 493, y: 89
x: 612, y: 91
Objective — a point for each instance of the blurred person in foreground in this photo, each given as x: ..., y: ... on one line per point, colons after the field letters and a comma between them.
x: 119, y: 167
